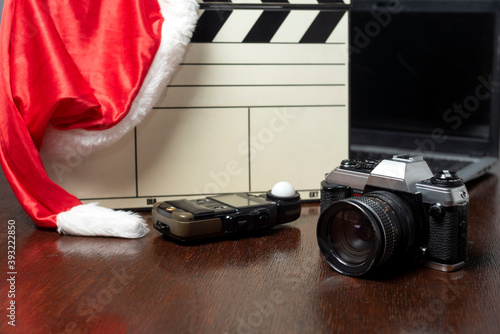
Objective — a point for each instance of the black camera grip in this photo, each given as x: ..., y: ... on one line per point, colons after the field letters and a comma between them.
x: 331, y: 192
x: 448, y: 235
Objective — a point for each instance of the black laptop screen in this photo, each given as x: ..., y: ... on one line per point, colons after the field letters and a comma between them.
x: 417, y: 72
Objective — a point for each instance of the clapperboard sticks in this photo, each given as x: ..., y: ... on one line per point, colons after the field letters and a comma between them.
x: 265, y: 26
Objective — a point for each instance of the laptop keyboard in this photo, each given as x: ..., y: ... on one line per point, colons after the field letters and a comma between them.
x: 435, y: 164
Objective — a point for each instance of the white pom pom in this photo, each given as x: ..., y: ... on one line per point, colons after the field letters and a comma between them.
x: 93, y: 220
x: 283, y: 189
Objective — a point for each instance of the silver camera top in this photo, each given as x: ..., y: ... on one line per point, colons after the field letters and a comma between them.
x: 401, y: 173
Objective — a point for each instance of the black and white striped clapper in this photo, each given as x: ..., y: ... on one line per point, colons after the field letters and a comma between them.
x: 268, y: 21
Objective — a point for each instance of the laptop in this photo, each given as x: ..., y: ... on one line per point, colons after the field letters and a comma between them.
x: 425, y: 79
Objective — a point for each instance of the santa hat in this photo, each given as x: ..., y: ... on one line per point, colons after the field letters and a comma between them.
x: 75, y: 77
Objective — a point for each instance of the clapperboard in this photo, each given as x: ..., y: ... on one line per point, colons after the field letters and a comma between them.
x: 260, y: 97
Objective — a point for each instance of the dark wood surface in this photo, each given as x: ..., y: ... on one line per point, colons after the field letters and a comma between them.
x: 277, y: 283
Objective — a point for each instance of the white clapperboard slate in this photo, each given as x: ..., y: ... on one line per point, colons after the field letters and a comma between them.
x: 261, y: 97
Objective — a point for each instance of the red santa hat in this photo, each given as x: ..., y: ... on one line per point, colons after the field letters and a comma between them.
x: 75, y: 77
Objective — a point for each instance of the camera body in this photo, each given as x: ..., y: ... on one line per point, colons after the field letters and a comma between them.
x: 374, y: 213
x: 217, y: 216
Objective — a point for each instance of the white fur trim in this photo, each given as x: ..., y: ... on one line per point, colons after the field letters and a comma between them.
x: 180, y: 20
x: 93, y: 220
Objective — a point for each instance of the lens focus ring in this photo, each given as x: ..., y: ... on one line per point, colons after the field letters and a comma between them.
x: 388, y: 226
x: 358, y: 235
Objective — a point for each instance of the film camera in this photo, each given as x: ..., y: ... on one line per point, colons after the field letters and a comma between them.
x: 376, y: 214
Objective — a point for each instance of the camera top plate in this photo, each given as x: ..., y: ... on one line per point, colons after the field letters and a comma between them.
x: 402, y: 173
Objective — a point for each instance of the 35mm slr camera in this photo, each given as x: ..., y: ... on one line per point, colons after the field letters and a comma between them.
x: 377, y: 214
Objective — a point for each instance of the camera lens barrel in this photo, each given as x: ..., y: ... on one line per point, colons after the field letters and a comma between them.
x: 359, y: 234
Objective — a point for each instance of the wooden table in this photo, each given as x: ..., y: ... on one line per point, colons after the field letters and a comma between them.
x: 277, y: 283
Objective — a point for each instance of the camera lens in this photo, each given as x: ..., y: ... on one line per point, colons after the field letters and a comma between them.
x: 353, y: 236
x: 360, y: 234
